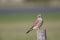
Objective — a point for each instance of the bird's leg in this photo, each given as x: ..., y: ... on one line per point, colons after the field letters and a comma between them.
x: 39, y: 28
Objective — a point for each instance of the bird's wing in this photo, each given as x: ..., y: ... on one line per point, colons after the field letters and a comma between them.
x: 36, y: 22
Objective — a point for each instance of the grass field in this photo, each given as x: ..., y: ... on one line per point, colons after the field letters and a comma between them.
x: 14, y: 26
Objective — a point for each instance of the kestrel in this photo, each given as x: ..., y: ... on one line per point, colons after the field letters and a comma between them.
x: 37, y: 24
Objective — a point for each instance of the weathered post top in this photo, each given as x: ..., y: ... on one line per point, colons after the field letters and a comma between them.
x: 41, y: 34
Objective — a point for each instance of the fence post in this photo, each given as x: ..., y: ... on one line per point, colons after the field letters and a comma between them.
x: 41, y: 34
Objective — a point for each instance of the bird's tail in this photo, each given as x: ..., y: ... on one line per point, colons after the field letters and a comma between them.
x: 29, y: 30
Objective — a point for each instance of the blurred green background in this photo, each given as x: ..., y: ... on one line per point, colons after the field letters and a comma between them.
x: 14, y: 23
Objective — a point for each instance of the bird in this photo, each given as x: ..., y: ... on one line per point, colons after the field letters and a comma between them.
x: 37, y: 24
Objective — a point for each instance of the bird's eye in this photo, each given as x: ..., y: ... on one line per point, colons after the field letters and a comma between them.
x: 39, y: 16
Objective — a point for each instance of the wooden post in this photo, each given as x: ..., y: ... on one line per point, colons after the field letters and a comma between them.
x: 41, y: 34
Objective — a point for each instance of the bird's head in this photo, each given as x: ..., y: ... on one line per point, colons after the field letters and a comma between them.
x: 39, y: 16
